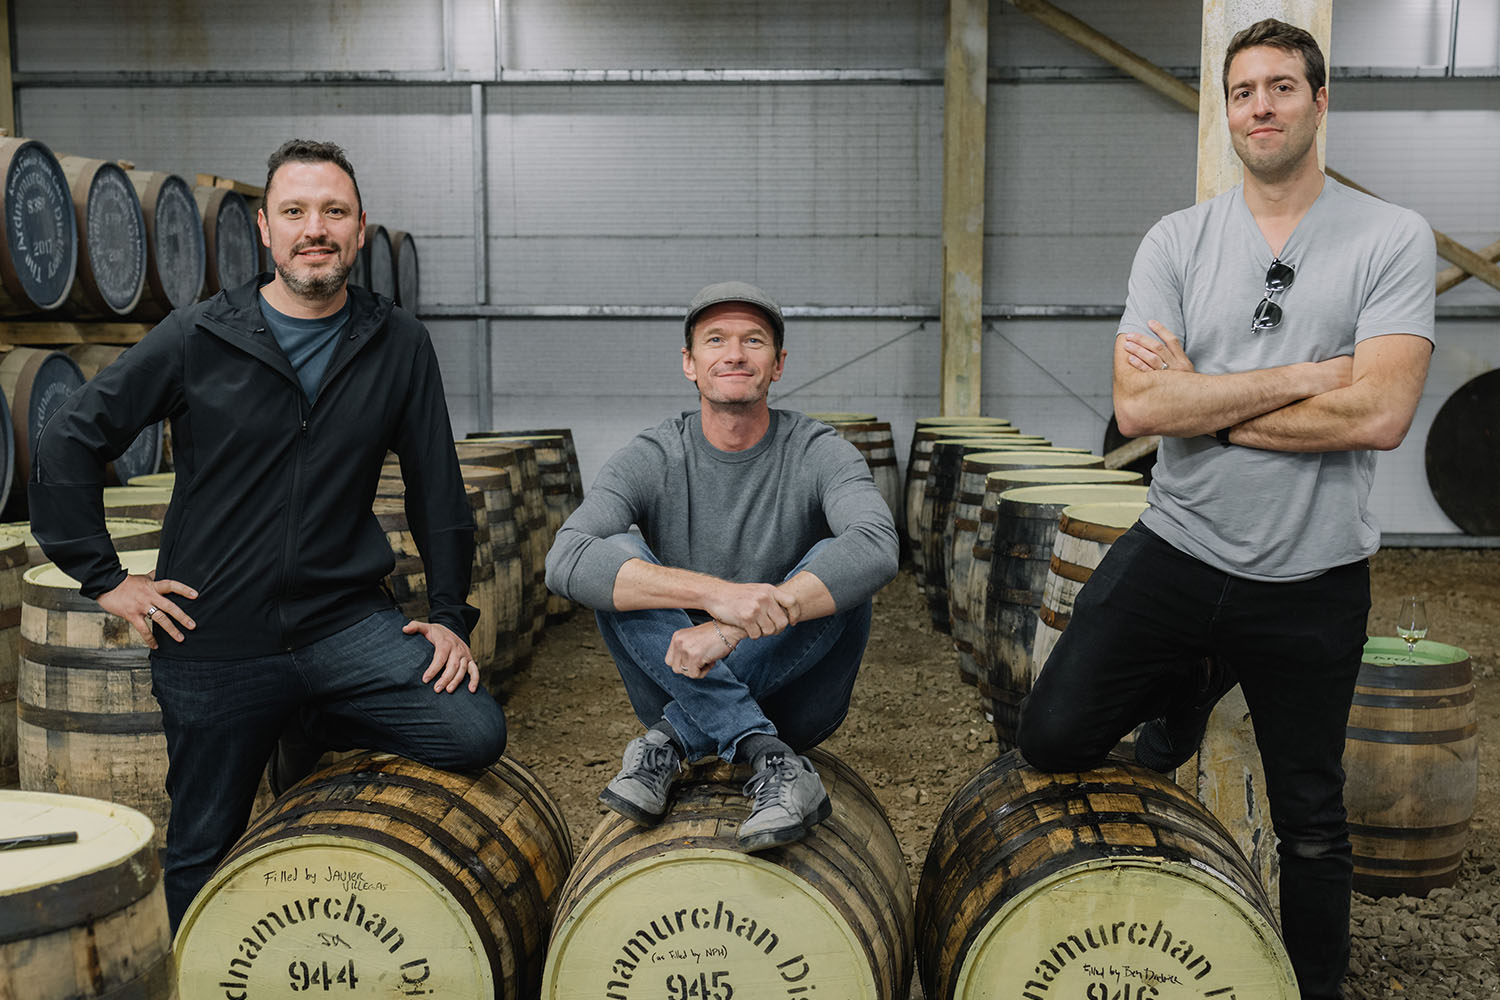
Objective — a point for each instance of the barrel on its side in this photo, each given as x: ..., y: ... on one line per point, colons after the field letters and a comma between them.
x: 1412, y: 760
x: 111, y: 239
x: 678, y: 909
x: 12, y: 568
x: 38, y: 229
x: 84, y: 919
x: 36, y: 383
x: 176, y: 252
x: 1085, y: 533
x: 231, y: 240
x: 376, y: 869
x: 1054, y: 885
x: 408, y: 269
x: 379, y: 261
x: 143, y: 456
x: 88, y: 723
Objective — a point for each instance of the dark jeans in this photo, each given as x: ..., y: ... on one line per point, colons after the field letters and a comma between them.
x: 795, y: 685
x: 362, y: 686
x: 1144, y: 615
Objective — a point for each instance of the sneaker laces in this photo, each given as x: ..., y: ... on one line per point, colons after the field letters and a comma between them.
x: 768, y: 783
x: 655, y: 762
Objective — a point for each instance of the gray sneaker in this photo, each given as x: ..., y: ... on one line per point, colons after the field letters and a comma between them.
x: 640, y: 791
x: 789, y: 801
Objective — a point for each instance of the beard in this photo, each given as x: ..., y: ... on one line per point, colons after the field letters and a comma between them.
x: 317, y: 285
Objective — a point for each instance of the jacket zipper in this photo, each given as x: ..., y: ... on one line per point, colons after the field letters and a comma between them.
x: 293, y: 513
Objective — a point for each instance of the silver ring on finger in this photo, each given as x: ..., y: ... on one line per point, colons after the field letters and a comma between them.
x: 1164, y: 366
x: 151, y: 611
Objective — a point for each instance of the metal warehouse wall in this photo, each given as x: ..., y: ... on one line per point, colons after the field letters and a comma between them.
x: 819, y: 180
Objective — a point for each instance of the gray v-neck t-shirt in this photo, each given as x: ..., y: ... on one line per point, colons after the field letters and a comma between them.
x: 1364, y: 268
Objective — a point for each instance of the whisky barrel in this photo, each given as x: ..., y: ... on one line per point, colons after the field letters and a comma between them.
x: 562, y: 492
x: 140, y: 502
x: 7, y: 455
x: 376, y: 875
x: 111, y: 239
x: 575, y: 474
x: 83, y: 919
x: 408, y: 269
x: 39, y: 232
x: 88, y: 723
x: 1412, y: 760
x: 36, y: 383
x: 127, y: 533
x: 1021, y: 553
x: 679, y: 910
x: 1085, y: 533
x: 933, y: 495
x: 995, y: 483
x: 504, y: 614
x: 159, y: 480
x: 231, y: 241
x: 519, y: 459
x: 1110, y: 883
x: 872, y: 438
x: 143, y: 456
x: 916, y: 463
x: 12, y: 568
x: 378, y: 258
x: 961, y: 536
x: 176, y: 252
x: 836, y: 418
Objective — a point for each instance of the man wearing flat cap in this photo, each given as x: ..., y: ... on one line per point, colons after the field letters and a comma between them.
x: 738, y: 615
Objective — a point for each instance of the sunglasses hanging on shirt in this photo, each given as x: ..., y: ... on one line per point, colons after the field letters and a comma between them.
x: 1268, y: 314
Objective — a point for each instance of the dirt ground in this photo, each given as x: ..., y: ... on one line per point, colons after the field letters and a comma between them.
x: 916, y: 735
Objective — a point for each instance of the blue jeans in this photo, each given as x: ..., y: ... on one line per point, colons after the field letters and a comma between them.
x: 1146, y: 613
x: 794, y: 685
x: 361, y: 686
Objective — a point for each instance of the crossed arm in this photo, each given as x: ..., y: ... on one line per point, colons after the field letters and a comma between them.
x: 1342, y: 404
x: 740, y: 610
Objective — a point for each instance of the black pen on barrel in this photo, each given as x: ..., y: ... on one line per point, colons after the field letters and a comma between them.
x: 38, y: 840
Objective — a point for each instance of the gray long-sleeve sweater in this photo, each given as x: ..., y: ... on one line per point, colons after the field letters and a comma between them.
x: 746, y: 516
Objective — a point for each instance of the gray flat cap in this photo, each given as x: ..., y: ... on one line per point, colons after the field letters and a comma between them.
x: 734, y: 291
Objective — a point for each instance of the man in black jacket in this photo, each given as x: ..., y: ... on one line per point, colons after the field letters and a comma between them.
x: 266, y: 610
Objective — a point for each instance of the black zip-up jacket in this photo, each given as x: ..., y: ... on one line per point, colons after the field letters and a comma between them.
x: 270, y: 517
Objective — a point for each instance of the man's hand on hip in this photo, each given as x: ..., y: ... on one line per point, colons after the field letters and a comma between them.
x: 142, y: 601
x: 451, y: 659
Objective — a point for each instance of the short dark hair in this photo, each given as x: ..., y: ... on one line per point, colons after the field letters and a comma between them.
x: 1288, y: 38
x: 311, y: 151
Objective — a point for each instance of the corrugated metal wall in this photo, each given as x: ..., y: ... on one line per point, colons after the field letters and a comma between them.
x: 827, y: 193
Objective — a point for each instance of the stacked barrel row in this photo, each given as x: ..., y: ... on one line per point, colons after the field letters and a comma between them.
x: 877, y: 445
x: 983, y: 506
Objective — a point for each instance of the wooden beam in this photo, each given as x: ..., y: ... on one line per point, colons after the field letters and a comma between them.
x: 1135, y: 448
x: 965, y: 85
x: 45, y: 334
x: 1166, y: 84
x: 1450, y: 276
x: 7, y: 89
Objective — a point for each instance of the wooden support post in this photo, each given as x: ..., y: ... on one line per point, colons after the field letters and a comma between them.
x: 965, y: 82
x: 1169, y: 86
x: 7, y: 91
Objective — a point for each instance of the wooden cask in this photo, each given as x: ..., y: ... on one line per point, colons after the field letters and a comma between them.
x: 519, y: 458
x: 1412, y: 761
x: 1108, y: 884
x: 877, y: 447
x: 408, y: 269
x: 1021, y: 553
x: 38, y: 232
x: 176, y: 252
x: 838, y: 419
x: 379, y: 260
x: 140, y: 502
x: 231, y: 239
x: 127, y: 533
x: 377, y: 876
x: 88, y: 723
x: 570, y: 451
x: 143, y: 456
x: 86, y: 919
x: 916, y: 463
x: 939, y: 495
x: 678, y: 912
x: 562, y: 492
x: 962, y: 532
x: 159, y: 480
x: 12, y: 568
x: 36, y: 382
x: 1084, y: 534
x: 111, y: 239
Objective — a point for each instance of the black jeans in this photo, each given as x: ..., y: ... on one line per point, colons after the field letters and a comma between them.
x: 362, y: 686
x: 1147, y: 612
